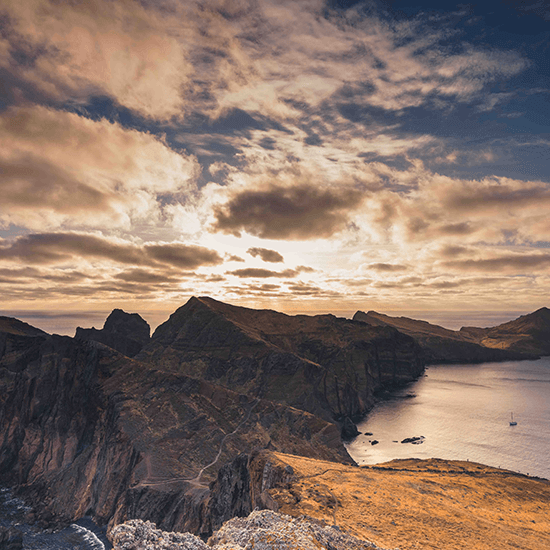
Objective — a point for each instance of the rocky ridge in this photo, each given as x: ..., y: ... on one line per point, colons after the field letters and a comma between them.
x: 329, y: 366
x: 124, y: 332
x: 87, y: 430
x: 525, y: 338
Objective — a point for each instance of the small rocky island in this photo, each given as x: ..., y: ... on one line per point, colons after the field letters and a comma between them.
x: 226, y: 410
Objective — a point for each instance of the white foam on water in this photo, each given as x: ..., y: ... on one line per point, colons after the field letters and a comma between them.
x: 89, y: 537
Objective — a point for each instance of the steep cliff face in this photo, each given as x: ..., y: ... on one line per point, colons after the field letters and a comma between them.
x: 469, y: 345
x: 329, y: 366
x: 86, y: 430
x: 124, y: 332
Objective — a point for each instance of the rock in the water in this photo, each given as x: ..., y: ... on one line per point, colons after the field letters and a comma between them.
x: 261, y: 530
x: 414, y: 440
x: 10, y: 538
x: 349, y: 429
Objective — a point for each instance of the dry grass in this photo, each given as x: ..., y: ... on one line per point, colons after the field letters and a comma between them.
x: 411, y: 504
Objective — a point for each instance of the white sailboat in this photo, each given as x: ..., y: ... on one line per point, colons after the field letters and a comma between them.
x: 512, y: 421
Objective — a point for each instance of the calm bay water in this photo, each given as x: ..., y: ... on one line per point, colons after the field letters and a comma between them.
x: 463, y: 412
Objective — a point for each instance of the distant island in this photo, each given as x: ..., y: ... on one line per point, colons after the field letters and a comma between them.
x: 226, y: 409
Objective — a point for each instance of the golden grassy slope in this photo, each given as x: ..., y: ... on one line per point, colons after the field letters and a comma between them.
x: 413, y: 504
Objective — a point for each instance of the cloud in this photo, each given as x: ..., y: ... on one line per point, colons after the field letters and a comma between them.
x: 512, y: 263
x: 124, y: 49
x: 147, y: 277
x: 63, y: 248
x: 61, y: 169
x: 383, y: 267
x: 258, y: 273
x: 265, y: 254
x: 298, y: 212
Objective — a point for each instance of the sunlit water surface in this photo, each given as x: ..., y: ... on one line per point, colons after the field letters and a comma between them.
x: 463, y: 411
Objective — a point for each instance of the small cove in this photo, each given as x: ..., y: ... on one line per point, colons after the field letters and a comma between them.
x: 463, y: 412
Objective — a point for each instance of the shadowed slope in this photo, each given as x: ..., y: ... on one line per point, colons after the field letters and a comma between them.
x: 323, y: 364
x: 469, y: 345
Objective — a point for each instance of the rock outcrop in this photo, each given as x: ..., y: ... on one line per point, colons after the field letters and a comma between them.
x: 329, y: 366
x: 260, y: 530
x: 471, y: 345
x: 124, y: 332
x: 528, y: 334
x: 85, y: 430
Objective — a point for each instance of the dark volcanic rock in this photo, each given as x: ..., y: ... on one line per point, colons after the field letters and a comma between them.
x: 84, y: 430
x: 124, y: 332
x: 441, y: 345
x: 10, y: 538
x: 326, y: 365
x: 349, y: 429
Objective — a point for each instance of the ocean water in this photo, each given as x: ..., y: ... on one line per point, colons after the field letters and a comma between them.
x: 463, y: 413
x: 82, y: 535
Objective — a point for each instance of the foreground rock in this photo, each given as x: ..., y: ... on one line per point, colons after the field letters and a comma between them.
x: 260, y: 530
x: 11, y: 538
x: 525, y: 338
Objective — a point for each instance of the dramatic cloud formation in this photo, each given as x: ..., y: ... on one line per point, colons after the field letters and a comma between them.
x: 265, y: 254
x: 153, y: 150
x: 62, y: 248
x: 300, y: 212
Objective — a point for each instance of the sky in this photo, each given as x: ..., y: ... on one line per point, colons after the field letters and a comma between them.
x: 305, y: 156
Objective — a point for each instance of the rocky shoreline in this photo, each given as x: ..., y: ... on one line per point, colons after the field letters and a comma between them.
x: 186, y: 429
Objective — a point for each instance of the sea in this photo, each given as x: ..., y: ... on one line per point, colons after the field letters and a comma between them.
x: 81, y: 535
x: 463, y: 412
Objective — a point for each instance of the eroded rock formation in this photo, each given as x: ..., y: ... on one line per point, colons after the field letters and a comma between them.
x: 260, y: 530
x: 124, y: 332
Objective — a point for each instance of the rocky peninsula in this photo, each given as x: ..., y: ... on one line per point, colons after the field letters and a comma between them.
x: 222, y: 411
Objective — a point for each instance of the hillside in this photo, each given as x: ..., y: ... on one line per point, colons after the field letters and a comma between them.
x: 88, y: 430
x: 328, y: 366
x: 525, y: 338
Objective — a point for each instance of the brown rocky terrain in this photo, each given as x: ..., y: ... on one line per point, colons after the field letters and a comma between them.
x: 87, y: 430
x: 527, y: 334
x: 406, y: 504
x: 525, y: 338
x: 329, y: 366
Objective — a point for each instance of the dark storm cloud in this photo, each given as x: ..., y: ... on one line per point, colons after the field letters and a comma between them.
x: 265, y: 254
x: 299, y: 212
x: 49, y: 248
x: 182, y: 255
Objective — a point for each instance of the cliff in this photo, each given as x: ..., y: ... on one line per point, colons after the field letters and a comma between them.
x: 329, y: 366
x: 410, y: 504
x: 525, y: 338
